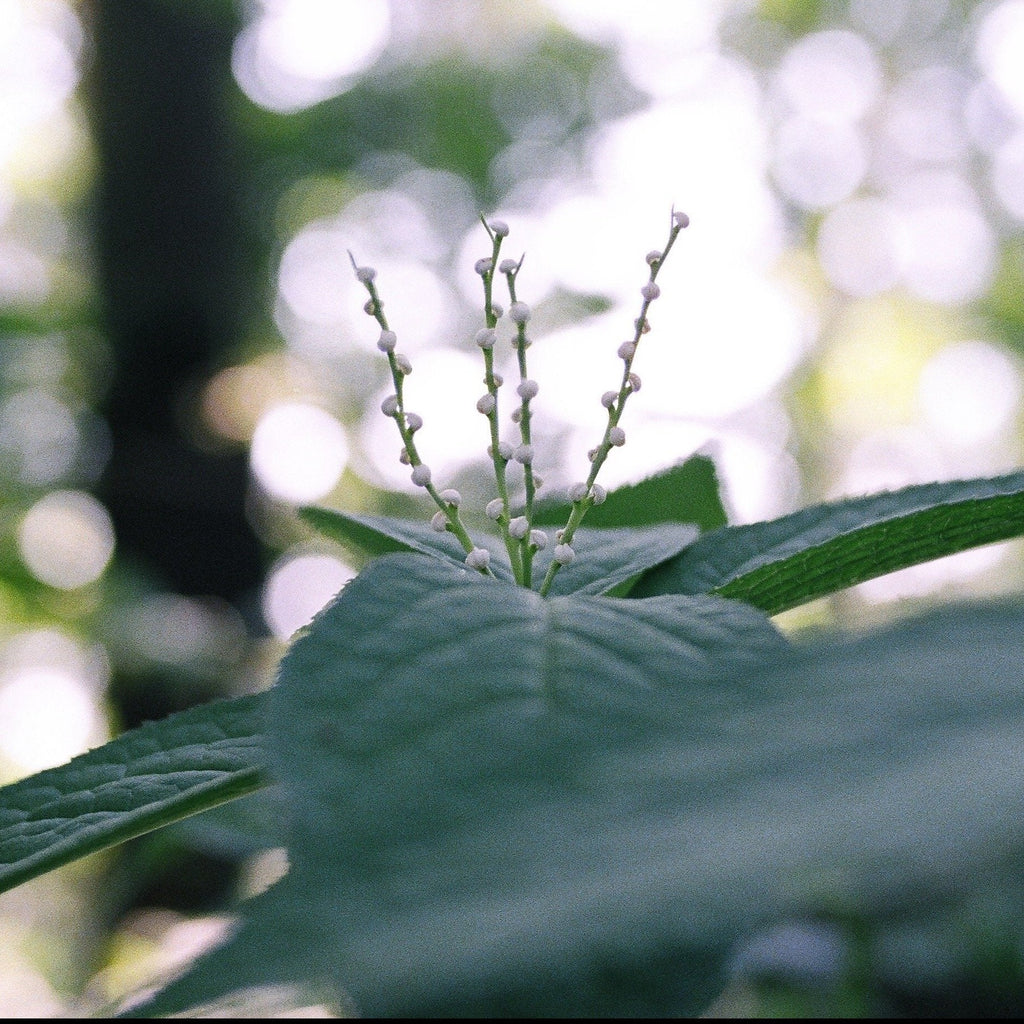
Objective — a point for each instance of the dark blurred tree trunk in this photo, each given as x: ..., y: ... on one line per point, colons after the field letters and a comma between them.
x: 172, y: 267
x: 172, y: 274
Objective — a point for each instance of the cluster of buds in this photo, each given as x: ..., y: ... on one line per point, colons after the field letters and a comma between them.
x: 522, y: 541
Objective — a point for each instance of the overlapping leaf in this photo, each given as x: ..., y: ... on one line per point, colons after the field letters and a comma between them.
x: 685, y: 493
x: 607, y: 558
x: 146, y: 778
x: 825, y: 548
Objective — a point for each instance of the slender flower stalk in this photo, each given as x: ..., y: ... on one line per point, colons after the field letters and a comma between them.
x: 615, y: 403
x: 519, y: 314
x: 486, y: 337
x: 409, y: 422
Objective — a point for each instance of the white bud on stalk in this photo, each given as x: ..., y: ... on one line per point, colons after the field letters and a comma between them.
x: 478, y: 558
x: 519, y: 527
x: 563, y: 554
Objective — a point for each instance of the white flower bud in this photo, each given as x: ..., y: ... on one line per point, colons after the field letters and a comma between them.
x: 608, y: 398
x: 403, y: 364
x: 439, y: 522
x: 390, y: 405
x: 634, y: 382
x: 523, y: 342
x: 478, y: 558
x: 524, y: 454
x: 497, y: 309
x: 413, y: 421
x: 599, y: 494
x: 577, y: 492
x: 654, y: 256
x: 642, y: 325
x: 421, y: 475
x: 516, y: 415
x: 592, y: 454
x: 484, y: 266
x: 519, y: 527
x: 370, y: 307
x: 499, y: 227
x: 365, y: 274
x: 617, y: 437
x: 681, y: 220
x: 508, y: 266
x: 486, y: 337
x: 505, y: 450
x: 519, y: 312
x: 563, y: 554
x: 650, y: 291
x: 387, y: 341
x: 451, y: 496
x: 528, y: 389
x: 494, y: 508
x: 498, y: 379
x: 403, y: 457
x: 627, y: 350
x: 539, y: 539
x: 485, y: 404
x: 538, y: 482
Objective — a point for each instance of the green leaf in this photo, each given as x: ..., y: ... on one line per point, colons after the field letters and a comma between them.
x: 685, y: 493
x: 607, y: 559
x: 380, y: 535
x: 786, y: 562
x: 151, y: 776
x: 372, y: 536
x: 580, y: 819
x: 237, y: 829
x: 430, y: 709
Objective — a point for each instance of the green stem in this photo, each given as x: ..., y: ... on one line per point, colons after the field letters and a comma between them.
x: 451, y: 512
x: 615, y: 410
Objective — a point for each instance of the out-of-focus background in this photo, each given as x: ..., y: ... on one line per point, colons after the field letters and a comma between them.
x: 184, y: 358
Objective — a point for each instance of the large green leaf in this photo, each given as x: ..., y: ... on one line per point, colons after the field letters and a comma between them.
x: 511, y: 807
x: 607, y: 558
x: 825, y: 548
x: 685, y: 493
x: 430, y: 709
x: 151, y: 776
